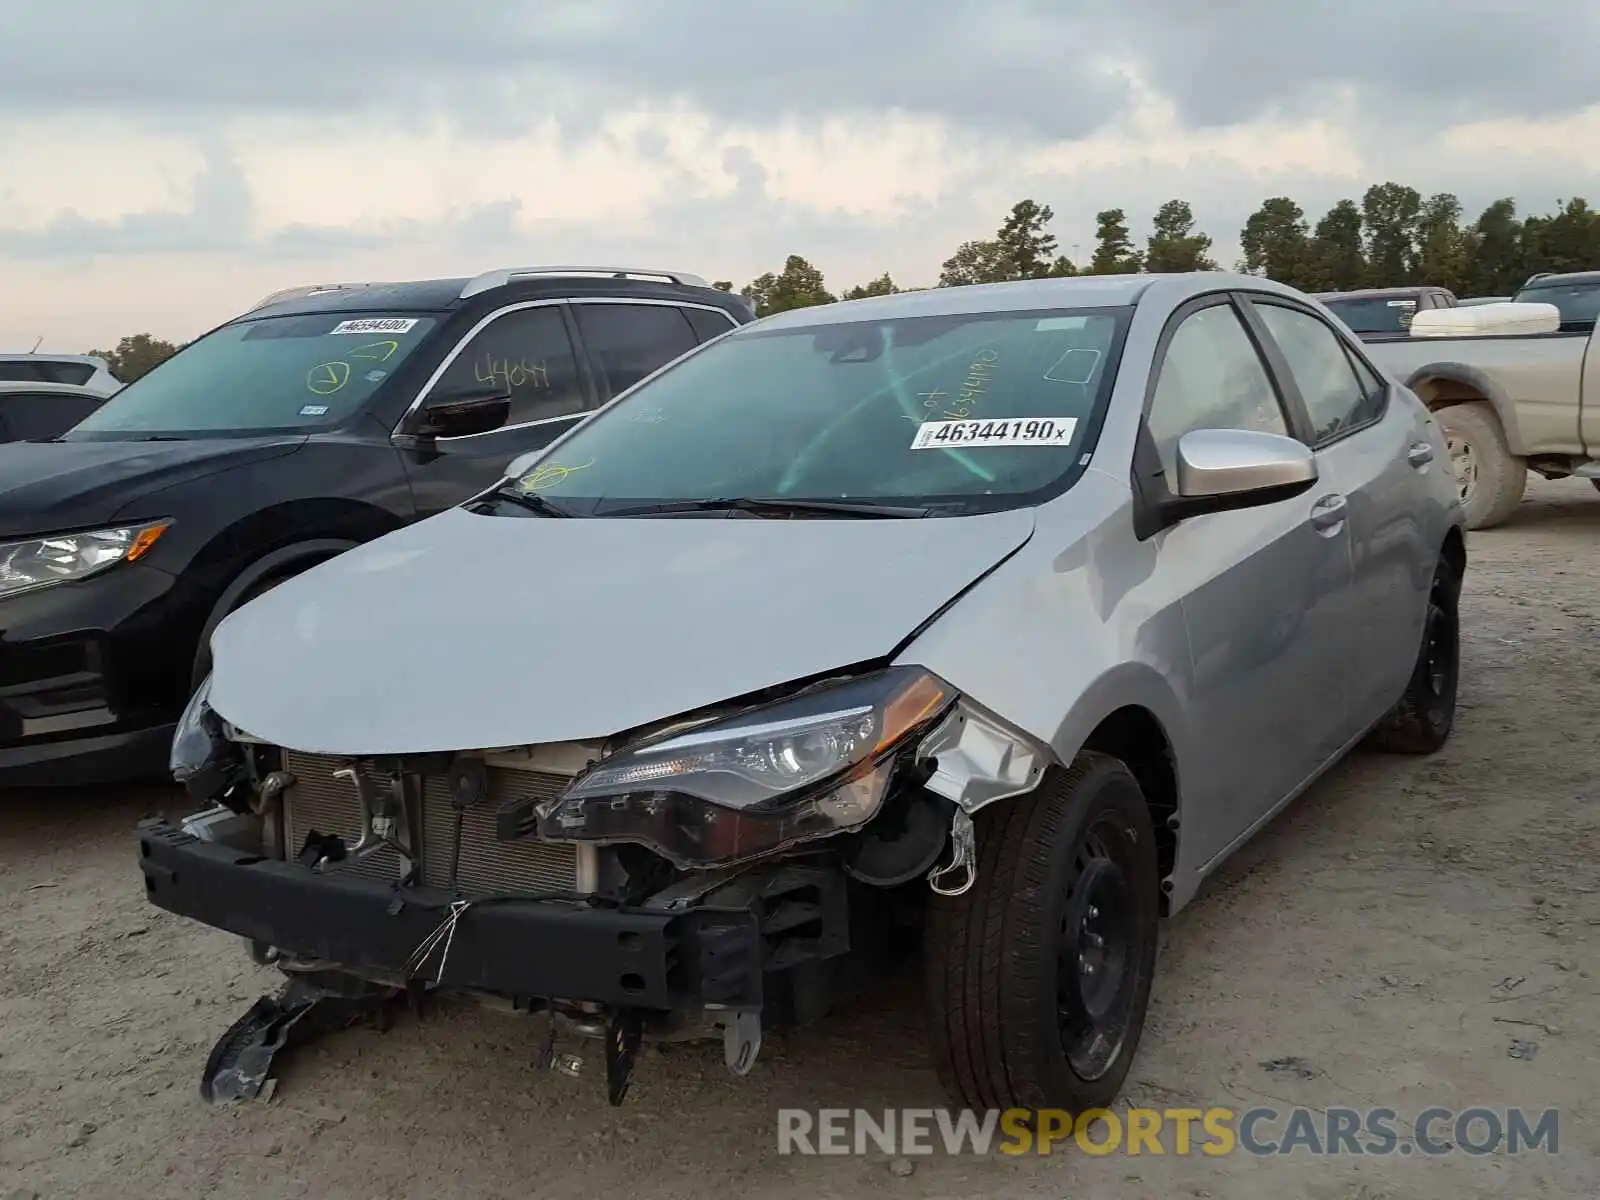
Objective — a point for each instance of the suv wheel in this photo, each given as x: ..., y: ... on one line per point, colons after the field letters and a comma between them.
x: 1038, y: 977
x: 202, y: 658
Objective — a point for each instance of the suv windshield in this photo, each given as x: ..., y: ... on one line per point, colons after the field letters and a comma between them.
x: 911, y: 411
x: 260, y: 376
x: 1374, y: 314
x: 1579, y: 303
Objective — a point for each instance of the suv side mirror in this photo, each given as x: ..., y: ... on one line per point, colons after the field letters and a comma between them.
x: 1219, y: 470
x: 462, y: 413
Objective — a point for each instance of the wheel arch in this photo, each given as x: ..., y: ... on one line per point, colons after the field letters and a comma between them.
x: 1439, y: 385
x: 1454, y: 553
x: 1136, y: 737
x: 284, y: 561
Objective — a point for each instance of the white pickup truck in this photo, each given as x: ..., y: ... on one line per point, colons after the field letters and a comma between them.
x: 1510, y: 402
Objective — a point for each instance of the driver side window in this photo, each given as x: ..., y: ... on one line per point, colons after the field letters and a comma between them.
x: 527, y: 353
x: 1211, y: 377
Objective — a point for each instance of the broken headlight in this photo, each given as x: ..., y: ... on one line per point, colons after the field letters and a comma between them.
x: 816, y: 764
x: 202, y: 758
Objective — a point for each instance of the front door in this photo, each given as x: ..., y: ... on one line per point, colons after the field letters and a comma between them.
x: 1264, y: 594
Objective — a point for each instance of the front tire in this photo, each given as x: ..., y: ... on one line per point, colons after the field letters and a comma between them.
x: 1421, y: 722
x: 1038, y: 977
x: 1489, y: 478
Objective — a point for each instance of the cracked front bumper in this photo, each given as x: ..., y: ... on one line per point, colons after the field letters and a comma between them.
x: 699, y: 957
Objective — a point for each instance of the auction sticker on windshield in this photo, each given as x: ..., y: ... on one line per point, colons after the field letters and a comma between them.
x: 1026, y: 431
x: 375, y: 325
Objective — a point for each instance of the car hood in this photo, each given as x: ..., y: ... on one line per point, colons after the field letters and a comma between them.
x: 46, y: 487
x: 467, y: 631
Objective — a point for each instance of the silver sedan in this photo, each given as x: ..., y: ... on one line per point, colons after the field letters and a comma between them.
x: 1011, y: 609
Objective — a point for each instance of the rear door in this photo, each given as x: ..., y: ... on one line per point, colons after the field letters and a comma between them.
x: 1377, y: 454
x: 1264, y: 591
x: 528, y: 350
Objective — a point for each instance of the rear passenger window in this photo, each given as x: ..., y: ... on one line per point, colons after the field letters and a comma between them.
x: 45, y: 371
x: 707, y: 324
x: 629, y: 341
x: 1335, y: 396
x: 34, y: 417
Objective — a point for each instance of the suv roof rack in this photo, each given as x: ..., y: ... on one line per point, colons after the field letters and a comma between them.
x: 304, y: 290
x: 501, y: 276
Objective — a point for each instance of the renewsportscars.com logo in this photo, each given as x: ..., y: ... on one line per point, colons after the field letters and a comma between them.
x: 1179, y: 1131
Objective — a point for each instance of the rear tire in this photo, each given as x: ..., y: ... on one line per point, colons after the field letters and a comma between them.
x: 1490, y: 479
x: 1422, y: 721
x: 1038, y: 977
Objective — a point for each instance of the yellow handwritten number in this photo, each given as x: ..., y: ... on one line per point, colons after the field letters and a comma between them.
x: 327, y: 378
x: 548, y: 475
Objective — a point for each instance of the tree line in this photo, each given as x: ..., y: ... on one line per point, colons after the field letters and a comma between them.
x: 1393, y: 237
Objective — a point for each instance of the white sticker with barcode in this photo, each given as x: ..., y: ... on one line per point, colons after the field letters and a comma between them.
x: 375, y: 325
x: 1017, y: 431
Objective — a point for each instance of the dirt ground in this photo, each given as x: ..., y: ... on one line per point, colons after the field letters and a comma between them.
x: 1390, y: 941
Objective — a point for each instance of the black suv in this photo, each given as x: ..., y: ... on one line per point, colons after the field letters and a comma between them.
x: 324, y: 417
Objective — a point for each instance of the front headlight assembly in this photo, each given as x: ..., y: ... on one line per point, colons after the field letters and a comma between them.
x: 25, y: 566
x: 807, y: 767
x: 202, y: 758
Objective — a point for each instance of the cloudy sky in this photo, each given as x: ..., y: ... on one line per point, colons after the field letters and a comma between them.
x: 166, y: 163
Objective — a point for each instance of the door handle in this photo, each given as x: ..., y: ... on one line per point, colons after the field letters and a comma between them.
x: 1420, y: 454
x: 1328, y: 513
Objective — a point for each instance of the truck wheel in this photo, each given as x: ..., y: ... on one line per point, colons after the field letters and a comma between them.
x: 1038, y: 976
x: 1421, y: 722
x: 1490, y: 478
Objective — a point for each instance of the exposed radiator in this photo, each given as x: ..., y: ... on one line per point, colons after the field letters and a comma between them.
x: 484, y: 865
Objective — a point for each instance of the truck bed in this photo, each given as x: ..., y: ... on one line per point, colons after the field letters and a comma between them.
x: 1538, y: 383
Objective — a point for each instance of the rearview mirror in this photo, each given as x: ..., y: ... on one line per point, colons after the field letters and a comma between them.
x: 462, y: 413
x: 1219, y: 470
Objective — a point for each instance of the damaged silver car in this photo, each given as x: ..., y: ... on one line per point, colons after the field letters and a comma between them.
x: 984, y: 620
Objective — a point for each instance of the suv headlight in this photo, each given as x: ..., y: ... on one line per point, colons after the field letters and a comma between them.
x: 25, y: 566
x: 810, y: 766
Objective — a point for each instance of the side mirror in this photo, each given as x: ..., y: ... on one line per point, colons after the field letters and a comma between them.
x: 1219, y: 470
x: 462, y: 413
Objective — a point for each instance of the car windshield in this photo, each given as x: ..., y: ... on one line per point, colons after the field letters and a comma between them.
x: 971, y: 411
x: 1374, y: 314
x: 267, y: 375
x: 1579, y: 303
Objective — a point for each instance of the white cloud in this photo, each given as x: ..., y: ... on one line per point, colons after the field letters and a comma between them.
x: 171, y: 216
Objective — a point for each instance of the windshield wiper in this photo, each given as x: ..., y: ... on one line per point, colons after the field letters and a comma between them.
x: 773, y: 506
x: 531, y: 502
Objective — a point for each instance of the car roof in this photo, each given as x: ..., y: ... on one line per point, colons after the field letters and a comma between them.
x: 506, y: 284
x: 1071, y: 291
x: 1555, y: 279
x: 90, y: 360
x: 1376, y: 293
x: 36, y: 387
